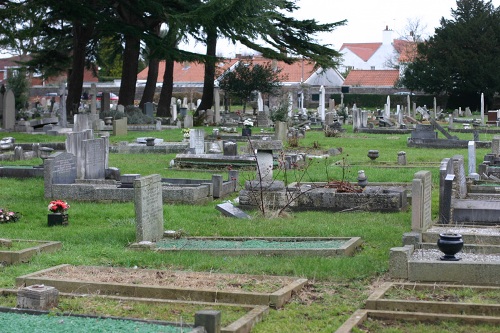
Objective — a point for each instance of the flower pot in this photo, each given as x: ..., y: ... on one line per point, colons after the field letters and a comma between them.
x: 246, y: 131
x: 57, y: 219
x: 450, y: 244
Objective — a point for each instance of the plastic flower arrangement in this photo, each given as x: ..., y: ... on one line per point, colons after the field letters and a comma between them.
x: 58, y: 206
x: 248, y: 123
x: 7, y: 216
x: 185, y: 133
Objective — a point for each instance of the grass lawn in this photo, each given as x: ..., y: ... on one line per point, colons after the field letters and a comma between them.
x: 98, y: 233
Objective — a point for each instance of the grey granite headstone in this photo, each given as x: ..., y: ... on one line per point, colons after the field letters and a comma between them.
x: 230, y: 148
x: 148, y: 109
x: 94, y: 158
x: 148, y: 208
x: 18, y: 153
x: 227, y: 209
x: 210, y: 320
x: 9, y: 110
x: 421, y: 218
x: 58, y: 168
x: 445, y: 169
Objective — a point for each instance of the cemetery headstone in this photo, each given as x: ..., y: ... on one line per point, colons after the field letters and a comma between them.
x: 197, y: 140
x: 228, y: 209
x: 94, y: 158
x: 58, y: 168
x: 472, y: 160
x: 264, y: 165
x: 148, y: 208
x: 120, y: 126
x: 230, y: 148
x: 421, y: 201
x: 188, y: 121
x: 9, y: 110
x: 148, y: 109
x: 460, y: 179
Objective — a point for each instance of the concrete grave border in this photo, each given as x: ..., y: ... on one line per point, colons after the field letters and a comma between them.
x: 244, y: 324
x: 349, y: 248
x: 25, y: 255
x: 275, y: 299
x: 421, y: 311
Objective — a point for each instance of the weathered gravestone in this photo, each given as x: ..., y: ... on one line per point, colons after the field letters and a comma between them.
x: 197, y: 141
x: 9, y: 110
x: 421, y: 218
x: 94, y: 156
x: 460, y: 185
x: 120, y: 126
x: 148, y: 109
x: 148, y: 208
x: 59, y: 168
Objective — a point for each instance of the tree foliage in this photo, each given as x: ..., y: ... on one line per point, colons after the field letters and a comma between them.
x: 247, y: 78
x: 461, y: 59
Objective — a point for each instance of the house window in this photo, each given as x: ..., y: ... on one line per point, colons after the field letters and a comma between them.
x: 372, y: 68
x: 315, y: 97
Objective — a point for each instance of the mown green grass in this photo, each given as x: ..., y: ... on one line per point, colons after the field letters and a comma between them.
x: 98, y: 233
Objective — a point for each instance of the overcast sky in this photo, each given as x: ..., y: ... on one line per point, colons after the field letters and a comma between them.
x: 366, y: 19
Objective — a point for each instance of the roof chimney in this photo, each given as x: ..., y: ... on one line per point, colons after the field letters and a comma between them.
x: 386, y: 36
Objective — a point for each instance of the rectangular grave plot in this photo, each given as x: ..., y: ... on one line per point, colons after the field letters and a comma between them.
x: 89, y: 283
x: 243, y: 324
x: 441, y: 299
x: 348, y: 247
x: 360, y: 316
x: 25, y: 255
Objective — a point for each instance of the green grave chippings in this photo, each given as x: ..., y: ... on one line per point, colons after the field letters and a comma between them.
x: 16, y: 322
x: 247, y: 244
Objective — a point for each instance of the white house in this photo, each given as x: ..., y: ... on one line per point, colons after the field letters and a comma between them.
x: 368, y: 56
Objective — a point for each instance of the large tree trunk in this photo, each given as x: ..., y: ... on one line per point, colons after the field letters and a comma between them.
x: 150, y: 88
x: 207, y: 100
x: 166, y: 90
x: 129, y: 70
x: 81, y: 36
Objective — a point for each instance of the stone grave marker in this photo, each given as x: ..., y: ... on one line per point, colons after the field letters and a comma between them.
x: 445, y: 169
x: 59, y: 168
x: 105, y: 102
x: 264, y: 165
x: 148, y: 208
x: 82, y: 122
x: 495, y: 146
x: 230, y: 148
x: 228, y: 209
x: 421, y: 218
x: 188, y: 121
x: 472, y: 160
x: 460, y: 185
x: 9, y: 110
x: 197, y: 140
x: 94, y: 155
x: 148, y: 109
x: 74, y: 145
x: 120, y: 126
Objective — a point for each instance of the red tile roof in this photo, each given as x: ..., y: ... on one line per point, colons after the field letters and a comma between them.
x: 372, y: 78
x: 362, y: 50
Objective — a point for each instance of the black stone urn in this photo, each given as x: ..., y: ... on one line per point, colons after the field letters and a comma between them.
x: 373, y: 154
x: 150, y: 142
x: 450, y: 244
